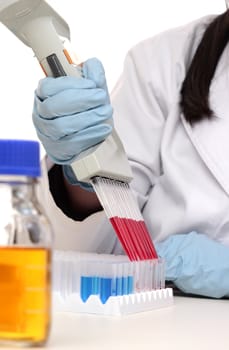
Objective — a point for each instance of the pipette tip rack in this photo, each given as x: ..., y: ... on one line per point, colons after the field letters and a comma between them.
x: 107, y: 284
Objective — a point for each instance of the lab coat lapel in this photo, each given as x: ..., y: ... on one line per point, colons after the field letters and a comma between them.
x: 211, y: 137
x: 211, y: 140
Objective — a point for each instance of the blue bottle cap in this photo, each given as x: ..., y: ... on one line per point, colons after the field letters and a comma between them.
x: 20, y: 157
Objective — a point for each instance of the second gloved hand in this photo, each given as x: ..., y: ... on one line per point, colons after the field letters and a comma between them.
x: 196, y: 264
x: 72, y: 114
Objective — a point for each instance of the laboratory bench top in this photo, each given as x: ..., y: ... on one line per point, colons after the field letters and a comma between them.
x: 190, y: 324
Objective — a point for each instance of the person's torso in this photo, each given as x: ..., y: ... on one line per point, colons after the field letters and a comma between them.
x: 192, y: 192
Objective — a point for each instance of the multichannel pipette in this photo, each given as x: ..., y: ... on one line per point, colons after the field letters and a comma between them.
x: 38, y: 26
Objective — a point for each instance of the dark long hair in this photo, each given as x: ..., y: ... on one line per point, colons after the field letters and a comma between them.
x: 195, y: 89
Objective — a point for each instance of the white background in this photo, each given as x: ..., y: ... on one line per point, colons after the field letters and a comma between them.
x: 101, y: 28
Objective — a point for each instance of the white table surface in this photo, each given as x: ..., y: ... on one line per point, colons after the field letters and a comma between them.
x: 191, y: 323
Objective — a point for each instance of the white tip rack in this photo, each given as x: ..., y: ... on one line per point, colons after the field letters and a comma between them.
x: 115, y: 305
x: 112, y: 284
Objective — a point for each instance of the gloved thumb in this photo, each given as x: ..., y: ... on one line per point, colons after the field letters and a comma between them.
x: 93, y: 70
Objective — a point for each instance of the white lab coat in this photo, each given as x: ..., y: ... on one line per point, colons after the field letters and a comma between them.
x: 181, y: 174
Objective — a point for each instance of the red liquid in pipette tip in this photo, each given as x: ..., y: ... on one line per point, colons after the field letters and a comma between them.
x: 135, y: 238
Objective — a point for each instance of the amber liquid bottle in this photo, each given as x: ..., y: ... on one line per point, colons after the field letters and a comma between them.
x: 25, y: 248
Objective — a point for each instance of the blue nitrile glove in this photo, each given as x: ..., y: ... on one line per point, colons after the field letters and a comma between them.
x: 196, y: 264
x: 71, y: 114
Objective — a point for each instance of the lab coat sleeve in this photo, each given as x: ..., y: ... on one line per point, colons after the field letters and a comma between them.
x: 93, y: 234
x: 141, y: 101
x: 196, y: 264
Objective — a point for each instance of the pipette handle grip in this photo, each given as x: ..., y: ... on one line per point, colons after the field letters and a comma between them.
x: 42, y: 29
x: 50, y: 52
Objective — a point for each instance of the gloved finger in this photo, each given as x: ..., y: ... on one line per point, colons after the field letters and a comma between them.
x: 61, y: 126
x: 49, y: 86
x: 72, y: 179
x: 170, y: 250
x: 70, y: 101
x: 93, y: 69
x: 65, y: 150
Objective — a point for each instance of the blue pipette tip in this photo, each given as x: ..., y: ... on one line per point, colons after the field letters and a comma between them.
x: 106, y: 289
x: 85, y: 287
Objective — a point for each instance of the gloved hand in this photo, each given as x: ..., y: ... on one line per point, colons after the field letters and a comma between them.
x: 71, y: 114
x: 196, y: 264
